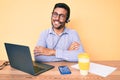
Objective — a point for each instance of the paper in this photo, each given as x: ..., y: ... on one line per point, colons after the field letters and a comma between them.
x: 98, y: 69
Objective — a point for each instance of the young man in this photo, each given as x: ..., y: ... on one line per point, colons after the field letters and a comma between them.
x: 58, y: 43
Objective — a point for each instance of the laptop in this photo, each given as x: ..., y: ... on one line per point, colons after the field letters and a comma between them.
x: 20, y: 58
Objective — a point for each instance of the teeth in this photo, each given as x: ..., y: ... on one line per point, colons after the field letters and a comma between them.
x: 56, y: 22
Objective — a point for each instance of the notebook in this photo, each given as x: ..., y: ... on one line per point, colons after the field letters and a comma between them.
x: 20, y: 58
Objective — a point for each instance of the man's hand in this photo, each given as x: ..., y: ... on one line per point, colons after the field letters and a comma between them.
x: 43, y: 51
x: 74, y: 46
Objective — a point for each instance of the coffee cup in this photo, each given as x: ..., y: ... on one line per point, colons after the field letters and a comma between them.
x: 84, y: 63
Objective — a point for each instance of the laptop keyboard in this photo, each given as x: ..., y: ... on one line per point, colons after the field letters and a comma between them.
x: 37, y: 69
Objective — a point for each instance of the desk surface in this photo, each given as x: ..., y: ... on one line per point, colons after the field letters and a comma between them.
x: 9, y: 73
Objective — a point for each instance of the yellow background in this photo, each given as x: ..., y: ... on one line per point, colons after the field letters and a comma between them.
x: 96, y: 21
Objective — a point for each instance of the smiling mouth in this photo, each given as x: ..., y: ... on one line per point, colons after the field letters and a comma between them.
x: 57, y: 22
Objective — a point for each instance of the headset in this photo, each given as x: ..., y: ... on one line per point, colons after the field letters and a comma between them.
x: 65, y: 6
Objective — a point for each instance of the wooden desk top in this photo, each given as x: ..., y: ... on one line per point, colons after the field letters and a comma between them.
x: 9, y: 73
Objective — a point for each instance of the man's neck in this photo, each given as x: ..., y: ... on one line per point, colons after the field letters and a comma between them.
x: 59, y: 31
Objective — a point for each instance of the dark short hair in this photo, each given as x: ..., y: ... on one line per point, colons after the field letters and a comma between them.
x: 66, y: 7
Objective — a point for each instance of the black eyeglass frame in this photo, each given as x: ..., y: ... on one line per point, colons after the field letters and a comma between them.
x: 61, y: 16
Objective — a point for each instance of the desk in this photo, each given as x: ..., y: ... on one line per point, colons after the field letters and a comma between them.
x: 9, y: 73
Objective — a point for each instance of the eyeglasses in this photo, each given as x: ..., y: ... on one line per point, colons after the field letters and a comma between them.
x: 4, y: 64
x: 61, y: 16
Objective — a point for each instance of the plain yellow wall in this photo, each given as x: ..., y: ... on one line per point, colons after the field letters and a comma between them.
x: 96, y: 21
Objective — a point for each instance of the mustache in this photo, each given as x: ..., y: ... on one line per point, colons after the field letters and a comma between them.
x: 59, y: 21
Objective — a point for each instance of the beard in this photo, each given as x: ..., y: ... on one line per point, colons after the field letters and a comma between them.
x: 59, y: 25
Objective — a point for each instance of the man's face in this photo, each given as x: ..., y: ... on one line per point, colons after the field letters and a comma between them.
x: 58, y: 18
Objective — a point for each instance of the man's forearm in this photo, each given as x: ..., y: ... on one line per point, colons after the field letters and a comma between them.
x: 44, y: 51
x: 51, y: 52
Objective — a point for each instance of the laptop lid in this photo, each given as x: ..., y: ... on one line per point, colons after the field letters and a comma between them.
x: 20, y: 58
